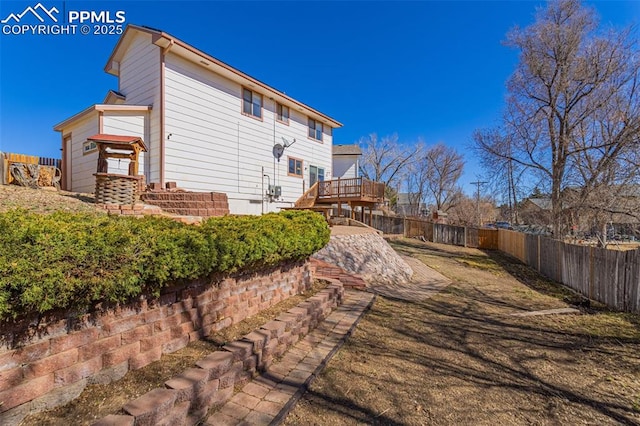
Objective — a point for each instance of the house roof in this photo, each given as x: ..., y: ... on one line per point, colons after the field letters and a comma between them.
x: 346, y: 150
x: 98, y: 108
x: 167, y: 42
x: 544, y: 203
x: 113, y: 96
x: 118, y: 140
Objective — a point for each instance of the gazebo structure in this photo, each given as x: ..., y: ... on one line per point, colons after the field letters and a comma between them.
x: 112, y: 188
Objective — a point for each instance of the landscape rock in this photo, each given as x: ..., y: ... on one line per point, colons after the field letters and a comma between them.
x: 367, y: 255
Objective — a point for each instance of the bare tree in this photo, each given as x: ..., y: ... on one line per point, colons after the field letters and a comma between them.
x: 442, y: 167
x: 504, y: 175
x: 384, y: 160
x: 465, y: 210
x: 572, y: 104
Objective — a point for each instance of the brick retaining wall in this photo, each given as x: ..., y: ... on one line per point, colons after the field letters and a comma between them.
x: 187, y: 398
x: 46, y: 365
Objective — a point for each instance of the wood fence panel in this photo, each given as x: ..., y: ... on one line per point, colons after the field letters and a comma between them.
x: 550, y: 259
x: 531, y: 250
x: 632, y: 281
x: 473, y: 237
x: 576, y: 267
x: 448, y: 234
x: 418, y: 228
x: 388, y: 224
x: 512, y: 243
x: 488, y: 239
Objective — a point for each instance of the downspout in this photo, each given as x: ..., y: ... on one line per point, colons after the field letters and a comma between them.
x: 162, y: 111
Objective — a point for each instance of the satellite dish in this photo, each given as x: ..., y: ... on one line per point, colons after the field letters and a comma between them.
x: 287, y: 144
x: 278, y: 150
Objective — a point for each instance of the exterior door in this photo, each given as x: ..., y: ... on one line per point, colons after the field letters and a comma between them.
x: 316, y: 174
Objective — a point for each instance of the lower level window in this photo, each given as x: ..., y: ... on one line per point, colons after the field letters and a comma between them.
x: 295, y: 167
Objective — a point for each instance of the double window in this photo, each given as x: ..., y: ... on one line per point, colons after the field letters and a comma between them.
x: 295, y: 167
x: 282, y: 113
x: 251, y: 103
x: 315, y: 129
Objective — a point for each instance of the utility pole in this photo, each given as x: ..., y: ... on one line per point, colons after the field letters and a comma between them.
x: 477, y: 184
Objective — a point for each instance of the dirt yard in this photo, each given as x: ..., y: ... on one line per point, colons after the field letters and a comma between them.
x: 46, y: 200
x: 461, y: 358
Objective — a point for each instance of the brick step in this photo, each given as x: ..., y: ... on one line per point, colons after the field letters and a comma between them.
x: 165, y: 204
x: 184, y: 196
x: 197, y: 212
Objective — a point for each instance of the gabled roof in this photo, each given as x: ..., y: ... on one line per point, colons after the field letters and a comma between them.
x: 543, y: 203
x: 118, y: 140
x: 113, y: 96
x: 170, y: 43
x: 346, y: 150
x: 98, y: 108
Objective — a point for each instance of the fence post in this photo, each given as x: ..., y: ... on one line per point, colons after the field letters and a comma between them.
x: 404, y: 227
x: 591, y: 259
x: 465, y: 236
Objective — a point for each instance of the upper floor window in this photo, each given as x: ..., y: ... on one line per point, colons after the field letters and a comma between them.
x: 251, y: 103
x: 315, y: 129
x: 282, y: 113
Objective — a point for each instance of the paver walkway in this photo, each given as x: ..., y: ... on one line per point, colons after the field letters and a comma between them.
x: 424, y: 283
x: 268, y: 398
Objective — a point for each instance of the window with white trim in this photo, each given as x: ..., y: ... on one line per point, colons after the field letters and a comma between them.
x: 251, y: 103
x: 295, y: 167
x: 315, y: 129
x: 282, y: 113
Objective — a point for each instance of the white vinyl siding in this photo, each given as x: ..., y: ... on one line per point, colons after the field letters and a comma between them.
x: 126, y: 124
x: 215, y: 147
x: 140, y: 83
x: 345, y: 166
x: 83, y: 166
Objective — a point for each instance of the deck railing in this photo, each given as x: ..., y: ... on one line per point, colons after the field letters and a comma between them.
x: 352, y: 188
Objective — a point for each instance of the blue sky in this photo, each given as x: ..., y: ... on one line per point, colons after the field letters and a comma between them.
x: 434, y: 70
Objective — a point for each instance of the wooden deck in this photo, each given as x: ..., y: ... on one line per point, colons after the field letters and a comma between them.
x: 354, y: 192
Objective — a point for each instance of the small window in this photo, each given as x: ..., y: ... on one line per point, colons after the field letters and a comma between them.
x: 282, y: 113
x: 251, y: 103
x: 295, y: 167
x: 315, y: 129
x: 89, y: 146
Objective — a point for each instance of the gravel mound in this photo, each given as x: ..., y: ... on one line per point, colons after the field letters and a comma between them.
x: 368, y: 255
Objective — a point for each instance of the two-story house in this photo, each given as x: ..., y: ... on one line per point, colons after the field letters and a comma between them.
x: 207, y: 126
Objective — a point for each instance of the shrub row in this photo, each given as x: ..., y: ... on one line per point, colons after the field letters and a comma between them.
x: 72, y: 260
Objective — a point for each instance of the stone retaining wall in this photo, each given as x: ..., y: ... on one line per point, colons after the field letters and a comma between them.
x: 367, y: 255
x: 204, y: 204
x: 46, y: 365
x: 187, y: 398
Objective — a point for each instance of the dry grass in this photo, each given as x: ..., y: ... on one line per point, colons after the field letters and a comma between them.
x: 461, y: 358
x: 45, y: 200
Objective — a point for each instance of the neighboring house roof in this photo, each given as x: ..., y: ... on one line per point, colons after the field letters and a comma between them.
x: 113, y: 96
x: 170, y: 43
x: 99, y: 108
x: 541, y: 203
x: 346, y: 150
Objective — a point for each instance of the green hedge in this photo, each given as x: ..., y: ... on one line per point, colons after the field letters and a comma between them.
x: 73, y: 260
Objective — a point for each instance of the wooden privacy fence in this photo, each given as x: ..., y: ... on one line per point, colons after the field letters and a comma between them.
x: 8, y: 158
x: 608, y: 276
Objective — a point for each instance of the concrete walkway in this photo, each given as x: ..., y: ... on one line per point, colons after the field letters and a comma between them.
x: 268, y: 398
x: 425, y: 282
